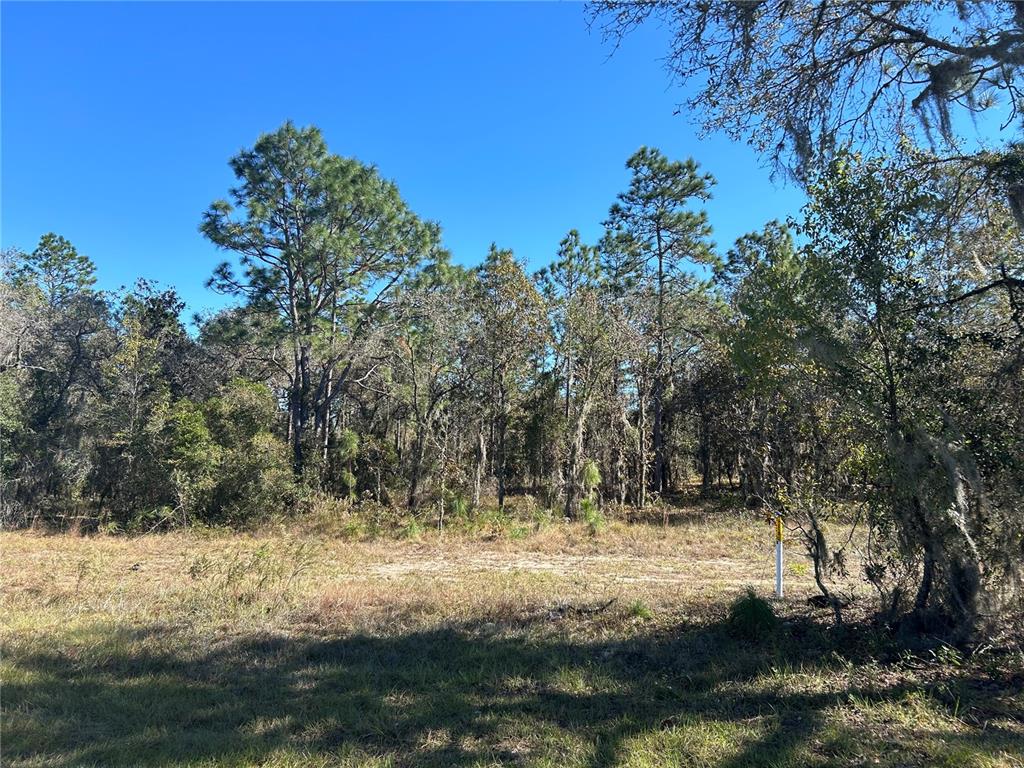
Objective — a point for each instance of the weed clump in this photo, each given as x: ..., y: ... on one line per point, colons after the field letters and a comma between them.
x: 638, y: 609
x: 412, y: 530
x: 751, y: 617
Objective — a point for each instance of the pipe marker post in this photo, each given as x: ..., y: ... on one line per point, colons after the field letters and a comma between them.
x: 778, y: 556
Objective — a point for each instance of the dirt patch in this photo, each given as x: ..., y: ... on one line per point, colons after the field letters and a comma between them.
x: 626, y: 568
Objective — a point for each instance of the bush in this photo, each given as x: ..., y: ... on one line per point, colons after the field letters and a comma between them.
x: 413, y: 530
x: 256, y: 479
x: 457, y: 506
x: 592, y: 516
x: 194, y: 458
x: 751, y: 617
x: 226, y: 464
x: 640, y: 610
x: 521, y: 507
x: 542, y: 518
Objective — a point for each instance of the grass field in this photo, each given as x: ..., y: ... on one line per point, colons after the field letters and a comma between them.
x: 546, y: 648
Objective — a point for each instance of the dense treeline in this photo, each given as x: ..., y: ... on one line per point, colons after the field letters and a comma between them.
x: 862, y: 361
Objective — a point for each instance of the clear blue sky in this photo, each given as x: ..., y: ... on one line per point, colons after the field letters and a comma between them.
x: 503, y: 122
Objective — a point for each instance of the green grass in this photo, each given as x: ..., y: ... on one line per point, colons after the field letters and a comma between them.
x: 275, y: 652
x: 156, y: 696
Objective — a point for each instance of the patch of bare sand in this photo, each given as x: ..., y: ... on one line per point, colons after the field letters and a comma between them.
x: 596, y: 569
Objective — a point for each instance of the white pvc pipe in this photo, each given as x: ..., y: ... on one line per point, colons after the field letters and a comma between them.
x: 778, y: 569
x: 778, y: 557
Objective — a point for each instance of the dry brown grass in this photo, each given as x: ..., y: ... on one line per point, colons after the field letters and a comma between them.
x: 678, y: 568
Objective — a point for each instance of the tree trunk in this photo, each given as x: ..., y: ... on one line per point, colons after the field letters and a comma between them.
x: 481, y: 464
x: 499, y: 458
x: 641, y: 485
x: 418, y: 449
x: 658, y: 436
x: 704, y: 458
x: 658, y: 390
x: 297, y: 407
x: 572, y: 466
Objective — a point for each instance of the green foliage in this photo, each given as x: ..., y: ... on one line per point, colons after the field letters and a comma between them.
x: 11, y: 420
x: 413, y: 529
x: 458, y: 506
x: 751, y: 617
x: 769, y: 283
x: 653, y: 220
x: 354, y: 528
x: 348, y: 482
x: 518, y: 532
x: 57, y: 270
x: 520, y: 507
x: 243, y: 410
x: 254, y: 478
x: 317, y: 236
x: 592, y: 516
x: 226, y: 463
x: 347, y: 445
x: 638, y: 609
x: 591, y: 476
x: 542, y: 518
x: 194, y: 458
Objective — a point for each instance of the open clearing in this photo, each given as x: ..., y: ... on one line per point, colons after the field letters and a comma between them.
x: 551, y: 649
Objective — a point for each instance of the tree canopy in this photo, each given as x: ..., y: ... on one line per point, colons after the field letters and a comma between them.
x: 804, y: 79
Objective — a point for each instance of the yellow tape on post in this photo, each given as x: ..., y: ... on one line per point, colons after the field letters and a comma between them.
x: 778, y: 528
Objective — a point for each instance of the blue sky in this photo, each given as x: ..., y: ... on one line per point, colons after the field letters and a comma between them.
x: 505, y: 122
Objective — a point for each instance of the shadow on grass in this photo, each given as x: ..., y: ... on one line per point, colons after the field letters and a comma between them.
x: 446, y: 697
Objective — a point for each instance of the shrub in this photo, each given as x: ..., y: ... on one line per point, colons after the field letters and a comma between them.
x: 353, y: 528
x: 457, y: 506
x: 751, y: 617
x: 413, y: 530
x: 592, y: 516
x: 339, y: 471
x: 491, y: 522
x: 348, y: 482
x: 226, y: 464
x: 243, y: 410
x: 542, y: 518
x: 521, y: 507
x: 640, y: 610
x: 194, y: 458
x: 256, y: 479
